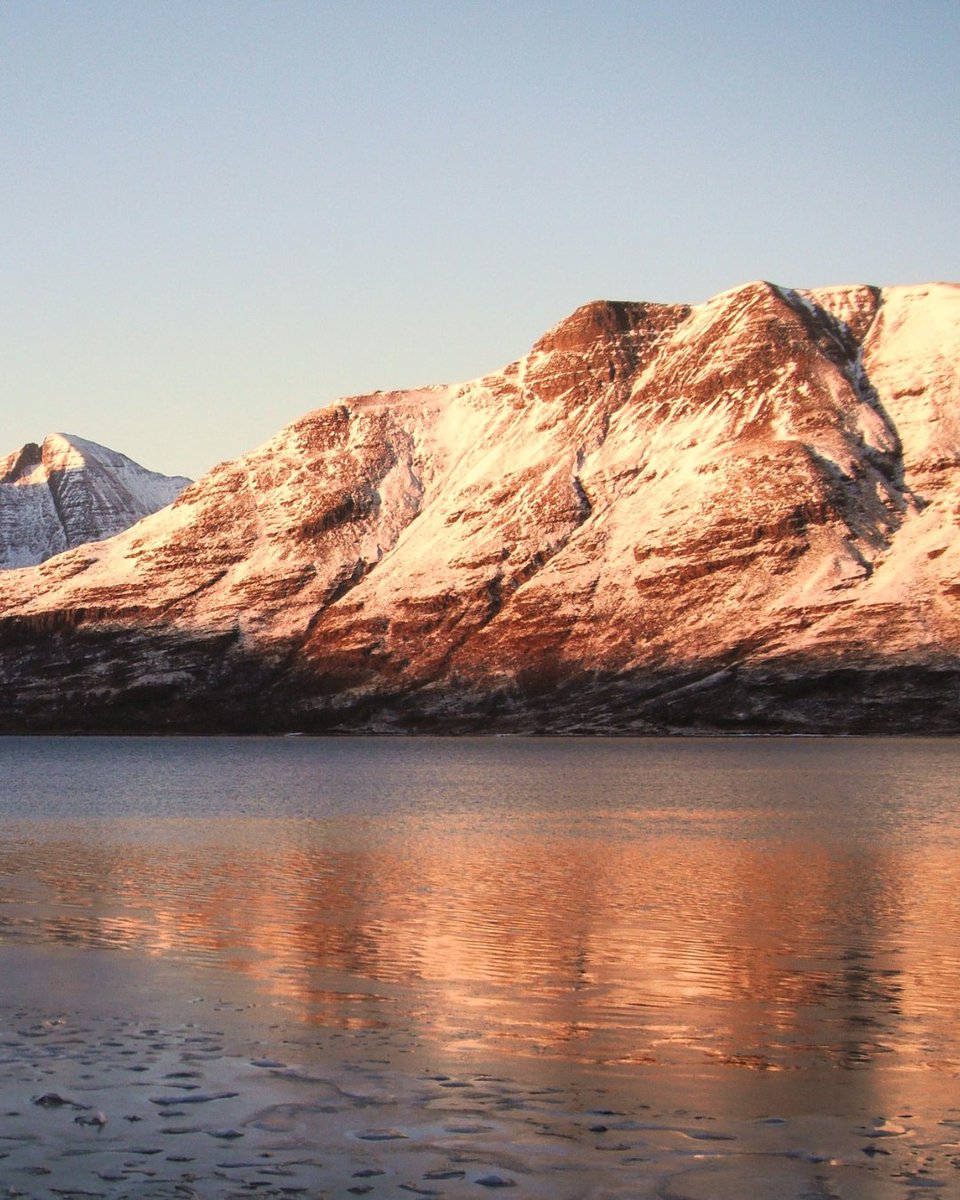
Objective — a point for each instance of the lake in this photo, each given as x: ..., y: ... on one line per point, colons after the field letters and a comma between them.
x: 748, y: 929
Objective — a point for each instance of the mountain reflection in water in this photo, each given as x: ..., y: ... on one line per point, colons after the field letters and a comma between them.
x: 770, y: 905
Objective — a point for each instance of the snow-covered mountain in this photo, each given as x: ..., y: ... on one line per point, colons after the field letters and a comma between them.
x: 69, y: 491
x: 740, y: 515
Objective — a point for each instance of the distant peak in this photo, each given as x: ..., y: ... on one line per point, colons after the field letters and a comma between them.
x: 68, y: 491
x: 66, y: 451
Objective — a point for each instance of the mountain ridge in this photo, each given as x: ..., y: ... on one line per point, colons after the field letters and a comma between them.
x: 734, y: 516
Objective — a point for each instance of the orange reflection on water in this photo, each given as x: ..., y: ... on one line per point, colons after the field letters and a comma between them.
x: 550, y: 938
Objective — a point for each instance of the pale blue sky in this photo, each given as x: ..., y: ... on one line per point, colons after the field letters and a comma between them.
x: 217, y: 216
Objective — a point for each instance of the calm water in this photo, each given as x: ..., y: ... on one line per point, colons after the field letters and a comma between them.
x: 722, y: 905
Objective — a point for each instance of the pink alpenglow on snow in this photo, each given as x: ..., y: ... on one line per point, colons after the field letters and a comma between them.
x: 732, y: 516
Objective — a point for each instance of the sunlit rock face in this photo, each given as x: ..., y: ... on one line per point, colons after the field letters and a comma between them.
x: 68, y: 491
x: 735, y: 516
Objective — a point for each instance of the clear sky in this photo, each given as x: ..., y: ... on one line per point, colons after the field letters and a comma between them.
x: 217, y: 216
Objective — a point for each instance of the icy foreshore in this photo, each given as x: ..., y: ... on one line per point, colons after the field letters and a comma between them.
x: 195, y: 1097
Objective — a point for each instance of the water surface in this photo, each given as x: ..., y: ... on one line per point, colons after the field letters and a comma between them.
x: 718, y: 909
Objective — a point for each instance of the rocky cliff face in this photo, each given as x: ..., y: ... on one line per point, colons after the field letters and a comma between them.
x: 68, y: 491
x: 736, y: 516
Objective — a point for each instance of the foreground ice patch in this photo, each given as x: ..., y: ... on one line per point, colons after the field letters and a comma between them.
x: 177, y: 1112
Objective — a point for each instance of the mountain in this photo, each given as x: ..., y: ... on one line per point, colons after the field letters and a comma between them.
x: 68, y: 491
x: 735, y: 516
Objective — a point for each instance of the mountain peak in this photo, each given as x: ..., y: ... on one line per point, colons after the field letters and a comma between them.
x: 597, y: 321
x: 65, y: 452
x: 67, y: 491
